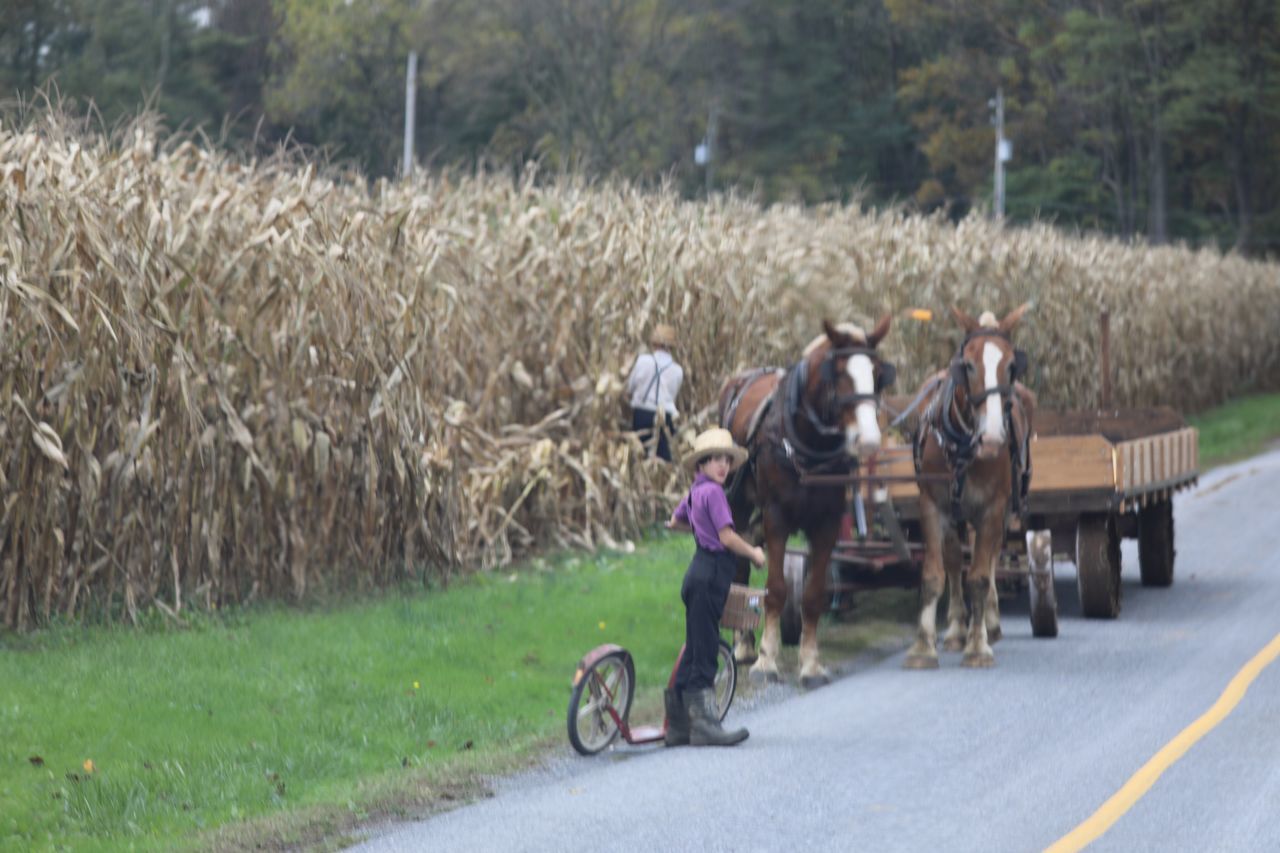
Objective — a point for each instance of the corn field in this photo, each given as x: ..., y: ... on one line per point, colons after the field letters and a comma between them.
x: 222, y: 380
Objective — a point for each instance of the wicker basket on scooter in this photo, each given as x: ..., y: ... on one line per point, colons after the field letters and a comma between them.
x: 743, y: 609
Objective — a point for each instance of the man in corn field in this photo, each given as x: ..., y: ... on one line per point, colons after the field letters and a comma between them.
x: 652, y: 387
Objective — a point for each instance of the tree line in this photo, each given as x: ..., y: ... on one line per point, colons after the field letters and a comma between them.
x: 1146, y: 119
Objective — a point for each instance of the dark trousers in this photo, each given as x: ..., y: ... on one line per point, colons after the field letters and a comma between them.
x: 705, y: 591
x: 642, y: 421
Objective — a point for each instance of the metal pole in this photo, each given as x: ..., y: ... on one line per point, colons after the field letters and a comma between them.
x: 999, y: 200
x: 410, y: 109
x: 1105, y: 321
x: 711, y: 146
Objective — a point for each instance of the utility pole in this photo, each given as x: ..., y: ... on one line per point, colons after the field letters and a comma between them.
x: 704, y: 153
x: 711, y: 146
x: 410, y: 110
x: 1004, y: 151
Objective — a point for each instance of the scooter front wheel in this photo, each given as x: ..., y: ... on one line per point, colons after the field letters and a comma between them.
x: 600, y: 701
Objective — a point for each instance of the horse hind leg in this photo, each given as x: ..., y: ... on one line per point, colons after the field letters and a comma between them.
x: 977, y: 652
x: 744, y: 642
x: 813, y: 674
x: 923, y: 654
x: 744, y: 647
x: 980, y: 586
x: 957, y: 612
x: 992, y: 613
x: 765, y: 669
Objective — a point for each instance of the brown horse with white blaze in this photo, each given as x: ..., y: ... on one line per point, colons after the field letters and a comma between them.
x: 974, y: 429
x: 819, y: 416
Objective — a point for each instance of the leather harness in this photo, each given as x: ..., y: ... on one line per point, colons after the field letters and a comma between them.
x: 803, y: 457
x: 959, y: 441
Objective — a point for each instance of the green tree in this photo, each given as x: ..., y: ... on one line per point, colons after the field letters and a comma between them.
x: 340, y: 83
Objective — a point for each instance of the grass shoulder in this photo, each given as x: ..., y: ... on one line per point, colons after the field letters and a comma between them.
x: 1237, y: 429
x: 275, y: 727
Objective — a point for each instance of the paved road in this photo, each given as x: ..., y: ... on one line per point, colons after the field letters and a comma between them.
x: 1007, y: 759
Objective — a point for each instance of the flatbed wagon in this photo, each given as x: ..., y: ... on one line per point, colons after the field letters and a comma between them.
x: 1096, y: 477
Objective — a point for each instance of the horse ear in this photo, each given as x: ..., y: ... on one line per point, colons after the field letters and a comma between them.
x: 966, y: 322
x: 832, y: 332
x: 878, y: 333
x: 1011, y: 319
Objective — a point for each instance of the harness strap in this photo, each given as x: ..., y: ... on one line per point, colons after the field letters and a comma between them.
x: 731, y: 411
x: 801, y: 455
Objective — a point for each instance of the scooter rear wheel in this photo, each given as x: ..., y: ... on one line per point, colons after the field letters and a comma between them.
x: 607, y: 685
x: 726, y: 679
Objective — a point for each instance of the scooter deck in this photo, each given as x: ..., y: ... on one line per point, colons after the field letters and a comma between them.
x: 646, y: 734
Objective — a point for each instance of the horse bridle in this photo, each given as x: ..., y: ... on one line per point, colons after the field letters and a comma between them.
x: 959, y: 443
x: 1016, y: 369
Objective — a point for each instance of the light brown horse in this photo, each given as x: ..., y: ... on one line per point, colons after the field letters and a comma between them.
x: 974, y: 428
x: 817, y: 417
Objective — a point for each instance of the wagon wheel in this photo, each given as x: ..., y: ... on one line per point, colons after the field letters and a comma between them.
x: 1098, y: 566
x: 1155, y: 543
x: 1044, y: 603
x: 791, y: 622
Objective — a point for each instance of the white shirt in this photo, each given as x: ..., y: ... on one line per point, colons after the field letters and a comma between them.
x: 655, y: 381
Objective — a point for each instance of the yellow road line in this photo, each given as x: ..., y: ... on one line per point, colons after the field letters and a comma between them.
x: 1139, y: 783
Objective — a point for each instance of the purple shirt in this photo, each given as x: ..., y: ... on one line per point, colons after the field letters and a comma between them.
x: 706, y: 510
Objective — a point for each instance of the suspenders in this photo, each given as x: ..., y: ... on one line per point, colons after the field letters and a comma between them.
x: 653, y: 384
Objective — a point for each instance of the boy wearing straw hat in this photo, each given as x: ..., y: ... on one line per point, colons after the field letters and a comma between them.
x: 652, y: 388
x: 692, y: 715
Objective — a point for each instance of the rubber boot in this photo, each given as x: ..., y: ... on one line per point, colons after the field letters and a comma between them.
x: 677, y: 720
x: 704, y: 720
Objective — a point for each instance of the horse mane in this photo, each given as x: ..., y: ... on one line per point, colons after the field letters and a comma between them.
x: 851, y: 329
x: 988, y: 320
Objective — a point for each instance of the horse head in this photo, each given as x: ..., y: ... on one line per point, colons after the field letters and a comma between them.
x: 984, y: 372
x: 845, y: 379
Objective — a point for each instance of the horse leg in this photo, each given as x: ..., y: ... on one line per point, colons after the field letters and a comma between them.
x: 766, y: 665
x: 923, y: 654
x: 957, y: 611
x: 993, y: 605
x: 821, y: 541
x: 980, y: 585
x: 744, y: 642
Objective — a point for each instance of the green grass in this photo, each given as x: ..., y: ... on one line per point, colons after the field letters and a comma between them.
x: 1237, y: 429
x: 272, y: 711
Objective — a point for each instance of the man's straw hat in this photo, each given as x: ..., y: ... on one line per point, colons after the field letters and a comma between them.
x: 711, y: 442
x: 663, y: 335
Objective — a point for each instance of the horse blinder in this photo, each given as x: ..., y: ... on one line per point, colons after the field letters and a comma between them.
x: 1018, y: 369
x: 887, y: 375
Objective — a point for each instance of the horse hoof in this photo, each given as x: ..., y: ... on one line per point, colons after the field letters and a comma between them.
x: 980, y: 661
x: 994, y: 634
x: 760, y: 676
x: 920, y: 662
x: 747, y: 658
x: 953, y: 644
x: 811, y: 682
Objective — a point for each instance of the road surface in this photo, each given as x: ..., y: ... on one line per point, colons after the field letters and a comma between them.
x: 1012, y: 758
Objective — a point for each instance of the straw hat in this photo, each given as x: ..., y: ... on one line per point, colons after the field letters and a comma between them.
x: 663, y: 335
x: 711, y: 442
